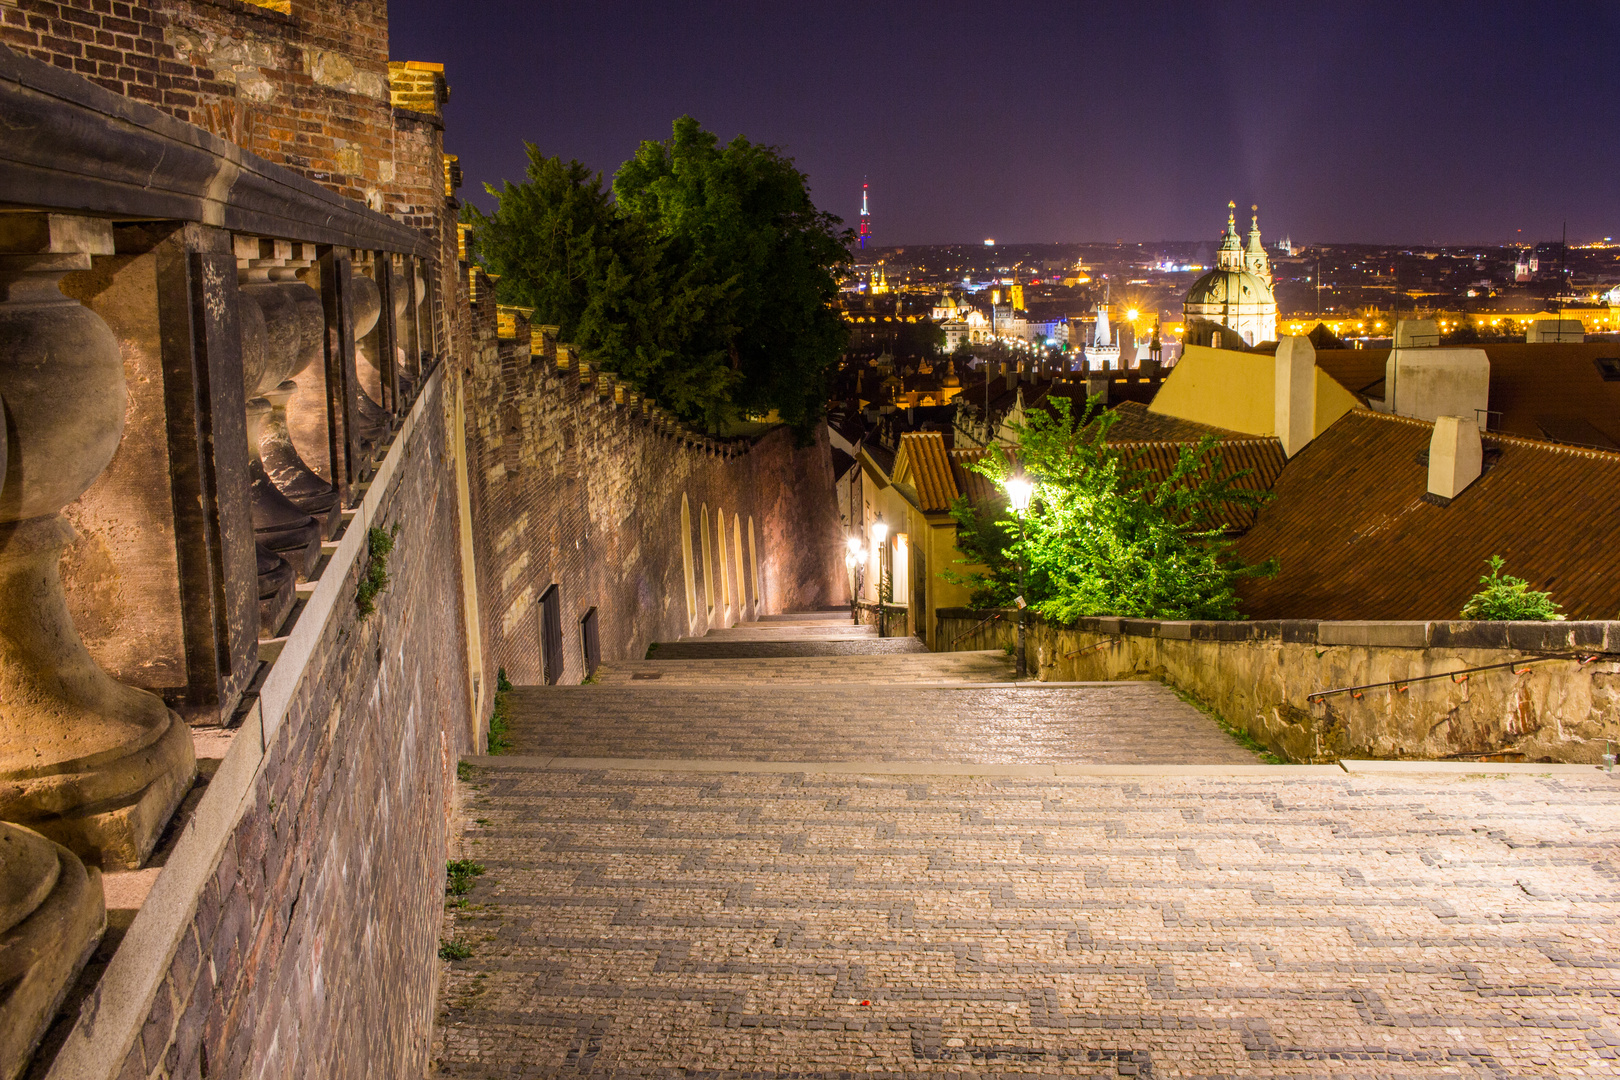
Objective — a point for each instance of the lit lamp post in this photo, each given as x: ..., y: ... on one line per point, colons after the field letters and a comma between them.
x: 854, y: 562
x: 880, y: 533
x: 1019, y: 492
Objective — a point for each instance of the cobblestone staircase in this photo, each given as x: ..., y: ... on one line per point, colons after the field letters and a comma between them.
x: 887, y: 865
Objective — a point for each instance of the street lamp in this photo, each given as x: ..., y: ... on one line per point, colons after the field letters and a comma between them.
x: 1019, y: 493
x: 855, y: 562
x: 880, y: 533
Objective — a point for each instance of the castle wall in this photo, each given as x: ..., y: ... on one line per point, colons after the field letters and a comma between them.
x: 573, y: 489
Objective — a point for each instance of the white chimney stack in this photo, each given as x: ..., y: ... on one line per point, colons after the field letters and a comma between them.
x: 1294, y: 393
x: 1455, y: 455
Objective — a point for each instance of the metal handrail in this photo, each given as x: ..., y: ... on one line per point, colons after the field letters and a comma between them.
x: 1401, y: 684
x: 975, y: 629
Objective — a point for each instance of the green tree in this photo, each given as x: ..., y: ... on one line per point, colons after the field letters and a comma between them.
x: 759, y: 264
x: 560, y: 246
x: 1104, y: 535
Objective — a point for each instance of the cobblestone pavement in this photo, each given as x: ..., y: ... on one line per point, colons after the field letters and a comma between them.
x: 1031, y: 722
x: 658, y: 922
x: 979, y: 667
x: 637, y: 924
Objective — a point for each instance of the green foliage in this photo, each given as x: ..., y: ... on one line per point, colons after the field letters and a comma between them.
x: 1104, y: 535
x: 464, y: 771
x: 459, y: 874
x: 500, y: 724
x: 502, y: 683
x: 1507, y: 597
x: 454, y: 950
x: 706, y: 280
x: 379, y: 545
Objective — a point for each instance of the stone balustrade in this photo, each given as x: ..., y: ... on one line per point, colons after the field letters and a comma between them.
x: 227, y: 355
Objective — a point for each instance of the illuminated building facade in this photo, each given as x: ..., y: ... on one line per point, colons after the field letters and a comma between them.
x: 1233, y: 306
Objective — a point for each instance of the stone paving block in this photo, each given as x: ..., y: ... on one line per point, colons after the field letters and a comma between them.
x: 814, y: 925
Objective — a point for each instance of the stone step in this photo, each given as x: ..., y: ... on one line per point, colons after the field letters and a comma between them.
x: 1100, y: 723
x: 786, y: 632
x: 734, y: 648
x: 977, y: 667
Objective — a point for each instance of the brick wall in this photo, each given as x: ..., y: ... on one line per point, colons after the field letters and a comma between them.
x: 313, y: 949
x: 571, y: 489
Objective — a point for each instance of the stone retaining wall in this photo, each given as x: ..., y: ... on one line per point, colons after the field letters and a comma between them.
x: 1260, y: 677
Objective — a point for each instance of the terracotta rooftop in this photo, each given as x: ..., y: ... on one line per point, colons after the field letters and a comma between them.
x: 1356, y: 538
x: 1543, y: 391
x: 923, y: 463
x: 1137, y: 424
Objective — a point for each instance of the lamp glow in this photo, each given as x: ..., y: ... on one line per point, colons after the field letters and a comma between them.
x: 880, y: 530
x: 854, y: 544
x: 1019, y: 492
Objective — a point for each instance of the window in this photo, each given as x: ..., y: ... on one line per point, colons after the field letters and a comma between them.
x: 551, y: 646
x: 590, y: 642
x: 900, y: 570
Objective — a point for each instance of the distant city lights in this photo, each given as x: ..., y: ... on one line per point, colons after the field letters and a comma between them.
x: 989, y: 243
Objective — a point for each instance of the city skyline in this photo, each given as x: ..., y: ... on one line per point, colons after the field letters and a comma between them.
x: 1386, y: 124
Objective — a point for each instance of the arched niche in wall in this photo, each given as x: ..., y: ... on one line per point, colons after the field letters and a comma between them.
x: 708, y: 567
x: 737, y: 558
x: 753, y: 561
x: 686, y: 560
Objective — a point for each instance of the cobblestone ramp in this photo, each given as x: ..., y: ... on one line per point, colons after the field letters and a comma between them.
x: 973, y: 667
x: 1099, y: 723
x: 641, y: 925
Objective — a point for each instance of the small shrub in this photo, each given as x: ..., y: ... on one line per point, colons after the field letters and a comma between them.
x: 464, y: 771
x: 1507, y: 597
x: 379, y: 545
x: 453, y: 950
x: 459, y: 876
x: 502, y: 683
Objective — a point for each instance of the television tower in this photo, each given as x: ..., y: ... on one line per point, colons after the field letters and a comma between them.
x: 866, y: 221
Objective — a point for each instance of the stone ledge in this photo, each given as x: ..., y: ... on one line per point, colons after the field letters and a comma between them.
x: 895, y: 768
x: 1386, y: 635
x: 1511, y: 768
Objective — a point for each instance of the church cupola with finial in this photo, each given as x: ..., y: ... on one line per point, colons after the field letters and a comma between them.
x: 1232, y: 306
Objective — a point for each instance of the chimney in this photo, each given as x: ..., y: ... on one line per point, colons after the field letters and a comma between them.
x: 1294, y: 393
x: 1455, y: 456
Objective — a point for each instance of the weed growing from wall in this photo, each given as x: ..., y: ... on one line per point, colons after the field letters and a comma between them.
x: 500, y: 739
x: 379, y: 545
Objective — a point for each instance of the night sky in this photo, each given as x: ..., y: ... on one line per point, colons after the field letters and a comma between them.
x: 1443, y: 122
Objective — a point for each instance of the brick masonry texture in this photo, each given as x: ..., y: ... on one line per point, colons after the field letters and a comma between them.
x: 330, y: 887
x: 659, y: 925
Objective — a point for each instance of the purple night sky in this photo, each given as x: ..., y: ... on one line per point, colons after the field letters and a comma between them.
x: 1421, y: 122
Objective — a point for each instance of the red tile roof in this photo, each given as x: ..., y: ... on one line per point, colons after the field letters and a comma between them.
x: 1541, y: 390
x: 922, y: 463
x: 1356, y: 538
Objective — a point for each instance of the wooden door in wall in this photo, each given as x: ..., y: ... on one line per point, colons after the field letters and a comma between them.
x: 590, y: 640
x: 551, y: 645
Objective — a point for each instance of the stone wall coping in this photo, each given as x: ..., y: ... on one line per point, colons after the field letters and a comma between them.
x: 111, y: 1019
x: 1554, y: 636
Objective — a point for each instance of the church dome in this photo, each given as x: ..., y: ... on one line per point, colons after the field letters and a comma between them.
x: 1229, y: 287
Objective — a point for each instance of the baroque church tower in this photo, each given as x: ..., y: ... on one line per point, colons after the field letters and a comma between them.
x: 1232, y: 306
